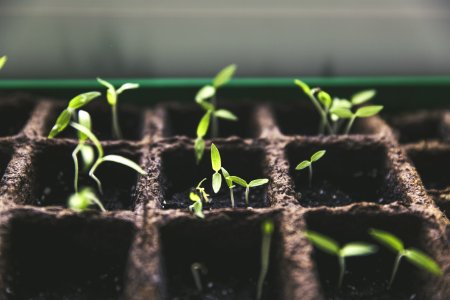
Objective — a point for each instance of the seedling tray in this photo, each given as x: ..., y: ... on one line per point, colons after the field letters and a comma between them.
x: 392, y: 173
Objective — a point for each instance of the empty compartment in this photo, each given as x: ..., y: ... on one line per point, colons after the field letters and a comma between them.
x: 14, y: 116
x: 182, y: 120
x: 349, y: 172
x: 53, y: 180
x: 367, y: 277
x: 180, y: 174
x: 55, y: 258
x: 229, y: 248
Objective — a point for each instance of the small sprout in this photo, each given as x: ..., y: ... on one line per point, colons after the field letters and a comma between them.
x: 3, y: 60
x: 112, y: 96
x: 216, y: 164
x: 414, y: 256
x: 230, y: 185
x: 308, y: 164
x: 267, y: 230
x: 80, y: 201
x: 253, y: 183
x: 102, y: 159
x: 198, y: 196
x: 362, y: 112
x: 331, y: 247
x: 197, y: 269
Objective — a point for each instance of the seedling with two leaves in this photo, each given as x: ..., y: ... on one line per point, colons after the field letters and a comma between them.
x: 247, y: 185
x: 414, y: 256
x: 333, y: 110
x: 112, y: 96
x: 308, y: 164
x: 198, y: 196
x: 206, y: 98
x: 331, y: 247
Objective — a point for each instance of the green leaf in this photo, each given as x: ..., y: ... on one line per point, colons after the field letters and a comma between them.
x: 199, y: 147
x: 205, y: 93
x: 215, y: 158
x: 239, y: 181
x: 325, y: 99
x: 341, y: 103
x: 258, y: 182
x: 225, y: 114
x: 203, y: 125
x: 318, y: 155
x: 267, y: 227
x: 84, y: 119
x: 368, y: 111
x: 197, y: 208
x: 87, y: 156
x: 111, y: 97
x: 306, y: 89
x: 83, y: 99
x: 226, y: 175
x: 61, y: 123
x: 302, y: 165
x: 224, y: 76
x: 124, y: 161
x: 423, y: 261
x: 127, y: 86
x: 363, y: 96
x: 193, y: 196
x: 387, y: 239
x: 216, y: 182
x: 105, y: 83
x: 3, y: 60
x: 358, y: 249
x: 343, y: 113
x: 323, y: 242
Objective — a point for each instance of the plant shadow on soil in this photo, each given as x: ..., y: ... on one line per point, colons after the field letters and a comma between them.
x: 130, y: 121
x: 14, y: 117
x: 229, y: 248
x: 181, y: 174
x: 70, y: 258
x: 54, y: 175
x: 182, y: 120
x: 347, y: 173
x: 367, y: 277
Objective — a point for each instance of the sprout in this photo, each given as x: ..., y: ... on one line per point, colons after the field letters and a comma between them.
x: 70, y: 112
x: 197, y: 269
x: 101, y: 158
x: 80, y: 201
x: 197, y: 196
x: 414, y: 256
x: 267, y: 230
x: 112, y: 96
x: 3, y: 60
x: 230, y: 185
x: 253, y: 183
x: 330, y: 246
x: 216, y: 164
x: 212, y: 114
x: 363, y: 112
x: 308, y: 164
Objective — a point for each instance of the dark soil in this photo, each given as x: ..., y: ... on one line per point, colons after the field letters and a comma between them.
x: 367, y: 277
x: 14, y: 116
x: 73, y: 259
x: 229, y: 249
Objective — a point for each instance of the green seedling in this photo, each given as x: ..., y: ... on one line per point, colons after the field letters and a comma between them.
x: 86, y: 151
x: 267, y: 228
x: 247, y: 186
x: 69, y: 112
x: 362, y: 112
x: 112, y: 96
x: 206, y: 98
x: 330, y: 246
x: 3, y: 60
x: 101, y: 158
x: 414, y: 256
x: 308, y: 164
x: 230, y: 185
x: 216, y: 163
x: 197, y: 269
x: 80, y: 201
x: 198, y: 196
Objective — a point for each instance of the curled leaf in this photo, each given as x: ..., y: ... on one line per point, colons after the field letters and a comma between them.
x: 325, y: 99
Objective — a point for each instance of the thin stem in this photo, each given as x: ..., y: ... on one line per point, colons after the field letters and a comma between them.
x: 232, y: 197
x: 324, y: 122
x: 214, y: 121
x: 247, y: 192
x: 99, y: 203
x: 91, y: 174
x: 310, y: 175
x: 394, y: 270
x: 196, y: 268
x: 341, y: 271
x: 350, y: 124
x: 265, y: 255
x: 117, y: 133
x: 75, y: 163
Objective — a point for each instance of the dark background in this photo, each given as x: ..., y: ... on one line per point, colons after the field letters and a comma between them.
x: 180, y: 38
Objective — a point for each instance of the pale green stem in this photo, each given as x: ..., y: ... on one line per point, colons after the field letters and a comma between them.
x: 91, y: 174
x: 232, y: 197
x: 341, y: 271
x: 99, y: 203
x: 310, y: 175
x: 324, y: 122
x: 265, y: 255
x: 350, y: 124
x: 247, y: 192
x: 117, y: 133
x: 75, y: 163
x: 214, y: 121
x: 394, y: 270
x: 195, y: 269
